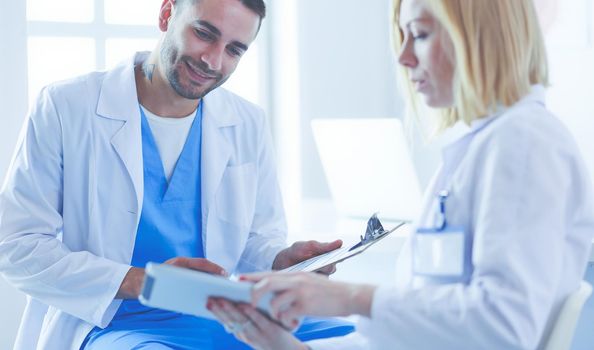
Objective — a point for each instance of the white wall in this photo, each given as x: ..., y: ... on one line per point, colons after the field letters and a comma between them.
x: 569, y: 29
x: 346, y: 71
x: 13, y: 104
x: 571, y: 96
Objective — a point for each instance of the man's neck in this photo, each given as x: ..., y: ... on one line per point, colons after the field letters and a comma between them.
x: 156, y: 94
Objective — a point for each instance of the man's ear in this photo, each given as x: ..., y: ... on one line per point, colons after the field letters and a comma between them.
x: 165, y: 14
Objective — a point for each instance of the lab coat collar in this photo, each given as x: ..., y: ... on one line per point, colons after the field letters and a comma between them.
x: 460, y: 130
x: 118, y: 98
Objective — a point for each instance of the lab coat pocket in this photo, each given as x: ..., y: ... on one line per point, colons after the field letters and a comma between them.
x: 236, y: 196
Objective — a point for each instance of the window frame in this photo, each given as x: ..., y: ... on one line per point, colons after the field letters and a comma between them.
x: 101, y: 31
x: 98, y: 30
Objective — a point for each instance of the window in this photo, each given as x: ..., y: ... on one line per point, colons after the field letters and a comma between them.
x: 67, y: 38
x: 591, y: 23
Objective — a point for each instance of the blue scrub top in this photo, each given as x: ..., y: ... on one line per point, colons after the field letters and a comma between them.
x: 170, y: 226
x: 170, y: 222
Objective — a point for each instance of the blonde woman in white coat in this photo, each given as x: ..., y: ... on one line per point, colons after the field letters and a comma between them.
x: 516, y: 201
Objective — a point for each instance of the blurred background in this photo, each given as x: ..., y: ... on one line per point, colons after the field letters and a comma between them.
x: 313, y: 59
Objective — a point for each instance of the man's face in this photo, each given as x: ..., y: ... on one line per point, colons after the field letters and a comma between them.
x: 204, y: 42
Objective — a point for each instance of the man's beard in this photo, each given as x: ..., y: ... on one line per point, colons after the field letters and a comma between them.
x: 170, y: 56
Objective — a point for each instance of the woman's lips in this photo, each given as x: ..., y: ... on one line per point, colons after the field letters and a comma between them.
x: 420, y: 85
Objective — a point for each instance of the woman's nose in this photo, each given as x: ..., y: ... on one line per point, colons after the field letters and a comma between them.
x: 407, y: 56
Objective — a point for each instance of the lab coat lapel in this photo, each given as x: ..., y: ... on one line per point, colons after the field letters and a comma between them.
x: 216, y: 149
x: 118, y: 100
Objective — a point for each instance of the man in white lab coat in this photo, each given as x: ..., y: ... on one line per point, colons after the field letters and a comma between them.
x: 75, y: 210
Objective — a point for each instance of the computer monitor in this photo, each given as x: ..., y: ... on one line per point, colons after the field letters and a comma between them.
x: 368, y: 167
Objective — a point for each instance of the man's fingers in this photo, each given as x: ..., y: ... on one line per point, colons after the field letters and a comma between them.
x: 206, y: 266
x: 334, y: 245
x: 328, y: 270
x: 198, y: 264
x: 328, y: 246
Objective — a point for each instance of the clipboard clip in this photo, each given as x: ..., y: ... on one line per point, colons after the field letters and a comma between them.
x: 375, y: 230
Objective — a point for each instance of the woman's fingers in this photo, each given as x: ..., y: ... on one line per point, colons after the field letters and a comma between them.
x: 289, y: 318
x: 281, y: 302
x: 255, y: 277
x: 267, y: 330
x: 251, y: 326
x: 261, y: 321
x: 223, y: 316
x: 234, y: 320
x: 275, y: 284
x: 235, y: 315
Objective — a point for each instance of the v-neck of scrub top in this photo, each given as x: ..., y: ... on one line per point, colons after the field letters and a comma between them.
x: 170, y: 135
x: 170, y: 223
x: 175, y: 189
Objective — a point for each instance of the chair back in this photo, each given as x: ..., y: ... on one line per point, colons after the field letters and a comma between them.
x: 561, y: 334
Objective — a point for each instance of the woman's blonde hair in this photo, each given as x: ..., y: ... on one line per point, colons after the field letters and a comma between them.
x: 499, y: 52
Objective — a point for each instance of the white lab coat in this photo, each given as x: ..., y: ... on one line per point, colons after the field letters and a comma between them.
x: 519, y: 185
x: 71, y: 204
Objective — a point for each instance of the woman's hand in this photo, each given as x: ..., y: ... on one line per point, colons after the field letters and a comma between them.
x: 251, y: 327
x: 309, y: 294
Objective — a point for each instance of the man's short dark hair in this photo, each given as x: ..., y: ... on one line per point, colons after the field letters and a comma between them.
x: 257, y: 6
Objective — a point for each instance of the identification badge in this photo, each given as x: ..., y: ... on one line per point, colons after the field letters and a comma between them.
x: 444, y: 253
x: 439, y: 253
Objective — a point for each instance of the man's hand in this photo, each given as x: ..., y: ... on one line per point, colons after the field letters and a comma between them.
x: 132, y: 283
x: 301, y: 251
x: 198, y: 264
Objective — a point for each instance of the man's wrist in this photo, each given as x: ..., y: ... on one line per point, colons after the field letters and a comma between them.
x: 131, y: 285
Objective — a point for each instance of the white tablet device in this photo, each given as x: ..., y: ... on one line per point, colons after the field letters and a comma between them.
x: 187, y: 291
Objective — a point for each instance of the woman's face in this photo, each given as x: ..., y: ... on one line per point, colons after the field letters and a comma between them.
x: 427, y: 53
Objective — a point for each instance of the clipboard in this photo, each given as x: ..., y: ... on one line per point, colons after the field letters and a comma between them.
x: 187, y: 291
x: 375, y: 232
